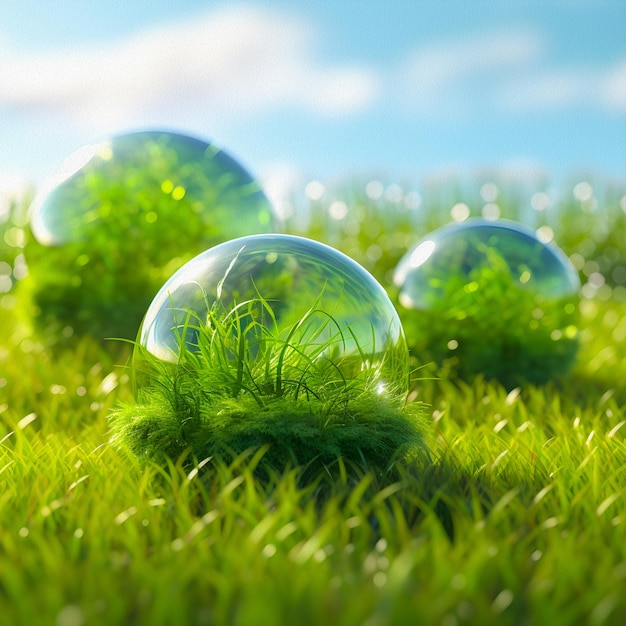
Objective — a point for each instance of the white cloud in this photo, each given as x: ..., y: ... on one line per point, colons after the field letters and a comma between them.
x: 223, y: 64
x: 506, y: 71
x: 452, y: 74
x: 614, y: 87
x: 563, y: 87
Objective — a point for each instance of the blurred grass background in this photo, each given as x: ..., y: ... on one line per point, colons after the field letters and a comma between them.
x: 519, y: 517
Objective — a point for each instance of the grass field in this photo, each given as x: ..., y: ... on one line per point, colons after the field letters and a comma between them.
x: 518, y: 515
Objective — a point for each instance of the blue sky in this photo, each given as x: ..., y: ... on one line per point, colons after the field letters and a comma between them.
x: 322, y: 89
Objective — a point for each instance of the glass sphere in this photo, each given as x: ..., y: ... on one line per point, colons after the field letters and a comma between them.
x: 489, y: 297
x: 121, y: 215
x: 143, y: 178
x: 278, y: 315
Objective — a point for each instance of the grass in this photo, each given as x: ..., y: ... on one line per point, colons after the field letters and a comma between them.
x: 486, y: 322
x: 123, y: 210
x: 244, y: 380
x: 517, y: 516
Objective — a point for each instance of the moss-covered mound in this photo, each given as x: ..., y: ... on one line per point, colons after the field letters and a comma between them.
x: 369, y: 431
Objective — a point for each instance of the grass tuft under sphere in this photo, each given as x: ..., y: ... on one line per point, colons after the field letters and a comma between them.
x: 278, y: 341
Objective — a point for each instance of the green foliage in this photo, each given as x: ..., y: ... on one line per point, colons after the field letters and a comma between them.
x: 242, y: 382
x: 13, y: 237
x: 369, y: 433
x: 517, y: 516
x: 245, y: 349
x: 486, y: 322
x: 144, y: 205
x: 383, y: 219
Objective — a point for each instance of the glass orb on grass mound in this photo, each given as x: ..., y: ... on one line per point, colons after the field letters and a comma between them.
x: 122, y: 215
x: 278, y: 315
x: 271, y: 339
x: 488, y: 297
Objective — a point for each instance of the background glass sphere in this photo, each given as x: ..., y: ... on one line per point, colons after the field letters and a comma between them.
x: 489, y: 297
x: 120, y: 216
x: 300, y: 310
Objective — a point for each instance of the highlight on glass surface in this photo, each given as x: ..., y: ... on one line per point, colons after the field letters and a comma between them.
x: 121, y: 215
x: 485, y: 296
x: 138, y: 179
x: 276, y: 315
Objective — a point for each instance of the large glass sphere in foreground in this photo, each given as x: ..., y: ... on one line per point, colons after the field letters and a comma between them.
x: 122, y: 215
x: 488, y: 297
x: 275, y: 315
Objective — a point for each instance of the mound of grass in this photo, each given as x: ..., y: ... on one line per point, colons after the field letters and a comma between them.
x: 368, y: 433
x: 486, y: 323
x: 242, y: 381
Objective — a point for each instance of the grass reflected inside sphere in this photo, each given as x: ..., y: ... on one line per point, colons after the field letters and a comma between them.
x: 488, y: 297
x: 278, y: 315
x: 122, y: 215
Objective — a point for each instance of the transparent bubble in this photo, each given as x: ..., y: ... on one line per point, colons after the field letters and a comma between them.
x: 136, y: 179
x: 121, y: 215
x: 506, y: 300
x: 277, y: 315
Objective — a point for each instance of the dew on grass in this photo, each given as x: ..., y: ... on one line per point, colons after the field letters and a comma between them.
x: 489, y: 192
x: 545, y: 234
x: 314, y: 190
x: 583, y: 191
x: 269, y: 550
x: 506, y: 297
x: 460, y: 212
x: 394, y: 193
x: 156, y: 198
x: 280, y: 313
x: 491, y: 211
x: 540, y: 201
x: 124, y: 516
x: 338, y: 210
x: 502, y: 601
x: 374, y: 190
x: 26, y: 420
x: 374, y: 252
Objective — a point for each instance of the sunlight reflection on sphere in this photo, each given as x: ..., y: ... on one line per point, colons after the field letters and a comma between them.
x: 292, y: 289
x: 493, y: 297
x: 461, y: 247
